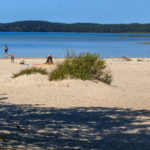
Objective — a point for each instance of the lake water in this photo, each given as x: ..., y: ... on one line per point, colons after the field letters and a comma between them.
x: 105, y: 44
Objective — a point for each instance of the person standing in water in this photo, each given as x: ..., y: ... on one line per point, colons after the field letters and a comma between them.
x: 6, y: 50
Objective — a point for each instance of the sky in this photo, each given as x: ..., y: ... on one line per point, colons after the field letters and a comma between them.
x: 73, y: 11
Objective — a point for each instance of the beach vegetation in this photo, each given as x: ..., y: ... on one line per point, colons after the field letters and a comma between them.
x: 84, y: 66
x: 29, y: 71
x: 126, y: 58
x: 139, y: 60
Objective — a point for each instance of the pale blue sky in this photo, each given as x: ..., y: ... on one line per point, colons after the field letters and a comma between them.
x: 72, y: 11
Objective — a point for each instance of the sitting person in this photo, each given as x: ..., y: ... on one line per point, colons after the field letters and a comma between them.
x: 22, y: 61
x: 49, y: 60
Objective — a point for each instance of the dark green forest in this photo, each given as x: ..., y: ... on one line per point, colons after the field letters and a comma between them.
x: 44, y: 26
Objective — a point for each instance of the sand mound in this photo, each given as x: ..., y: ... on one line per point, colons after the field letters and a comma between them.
x: 129, y: 89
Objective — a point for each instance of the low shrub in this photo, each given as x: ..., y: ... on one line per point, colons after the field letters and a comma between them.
x: 29, y: 71
x: 126, y: 58
x: 86, y: 66
x: 139, y: 60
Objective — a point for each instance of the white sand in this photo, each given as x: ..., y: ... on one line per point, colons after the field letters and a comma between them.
x: 130, y: 87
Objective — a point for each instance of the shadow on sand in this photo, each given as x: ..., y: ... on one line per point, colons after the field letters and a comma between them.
x: 27, y: 127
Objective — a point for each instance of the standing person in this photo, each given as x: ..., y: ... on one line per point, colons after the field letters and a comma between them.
x: 11, y: 58
x: 6, y: 50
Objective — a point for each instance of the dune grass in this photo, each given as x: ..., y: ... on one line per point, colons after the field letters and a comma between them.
x: 29, y: 71
x: 126, y: 58
x: 85, y: 66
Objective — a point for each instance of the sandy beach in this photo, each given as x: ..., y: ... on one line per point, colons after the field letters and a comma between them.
x: 130, y: 87
x: 39, y: 113
x: 73, y: 114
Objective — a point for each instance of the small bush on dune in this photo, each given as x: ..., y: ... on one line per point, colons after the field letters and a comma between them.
x: 31, y: 71
x: 86, y: 66
x: 139, y: 60
x: 126, y: 58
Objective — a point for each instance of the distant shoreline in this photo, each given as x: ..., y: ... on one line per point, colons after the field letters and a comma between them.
x: 45, y: 26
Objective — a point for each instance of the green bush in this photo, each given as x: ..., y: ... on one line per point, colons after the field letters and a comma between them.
x: 30, y: 71
x: 86, y: 66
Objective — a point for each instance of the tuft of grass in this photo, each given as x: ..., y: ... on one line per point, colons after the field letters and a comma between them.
x: 85, y: 66
x: 29, y: 71
x: 139, y: 60
x: 126, y: 58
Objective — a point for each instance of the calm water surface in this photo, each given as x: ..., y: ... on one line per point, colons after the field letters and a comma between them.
x: 42, y: 44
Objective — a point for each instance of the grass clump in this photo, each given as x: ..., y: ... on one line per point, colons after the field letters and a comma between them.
x: 29, y: 71
x: 139, y: 60
x: 126, y: 58
x: 86, y: 66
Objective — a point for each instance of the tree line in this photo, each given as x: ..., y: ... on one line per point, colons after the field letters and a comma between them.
x: 44, y: 26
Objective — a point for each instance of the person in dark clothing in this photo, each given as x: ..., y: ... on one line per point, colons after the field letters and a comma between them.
x: 6, y: 50
x: 49, y: 60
